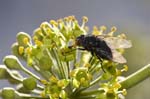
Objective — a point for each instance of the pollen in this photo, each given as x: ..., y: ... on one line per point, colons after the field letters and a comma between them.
x: 29, y: 50
x: 35, y: 38
x: 102, y: 29
x: 89, y: 76
x: 44, y: 82
x: 118, y: 73
x: 54, y: 23
x: 73, y: 18
x: 117, y: 85
x: 70, y: 18
x: 125, y: 68
x: 85, y: 19
x: 82, y: 80
x: 123, y: 36
x: 87, y: 65
x: 38, y: 43
x: 60, y: 84
x: 43, y: 94
x: 72, y: 73
x: 96, y: 31
x: 121, y: 50
x: 55, y: 95
x: 38, y: 30
x: 86, y: 28
x: 66, y: 19
x: 113, y: 29
x: 60, y: 21
x: 110, y: 91
x: 53, y: 79
x: 26, y: 40
x: 21, y: 50
x: 42, y: 25
x: 124, y: 92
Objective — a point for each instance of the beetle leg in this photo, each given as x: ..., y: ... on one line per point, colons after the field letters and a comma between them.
x: 102, y: 65
x: 81, y: 48
x: 101, y: 62
x: 70, y: 46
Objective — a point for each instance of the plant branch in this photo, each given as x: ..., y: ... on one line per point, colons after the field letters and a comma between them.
x: 136, y: 77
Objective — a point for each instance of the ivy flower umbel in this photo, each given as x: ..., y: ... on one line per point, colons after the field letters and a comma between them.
x: 65, y: 73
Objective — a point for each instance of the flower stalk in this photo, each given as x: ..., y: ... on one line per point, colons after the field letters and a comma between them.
x: 136, y: 77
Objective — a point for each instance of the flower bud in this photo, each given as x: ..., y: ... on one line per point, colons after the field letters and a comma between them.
x: 20, y: 88
x: 76, y: 83
x: 8, y: 93
x: 37, y: 34
x: 12, y: 62
x: 23, y: 39
x: 3, y: 72
x: 63, y: 95
x: 45, y: 63
x: 29, y: 83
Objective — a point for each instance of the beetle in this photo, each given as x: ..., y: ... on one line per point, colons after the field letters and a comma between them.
x: 103, y: 46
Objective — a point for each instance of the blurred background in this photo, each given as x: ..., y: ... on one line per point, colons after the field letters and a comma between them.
x: 129, y: 16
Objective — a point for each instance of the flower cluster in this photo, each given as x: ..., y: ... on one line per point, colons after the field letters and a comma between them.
x: 64, y: 73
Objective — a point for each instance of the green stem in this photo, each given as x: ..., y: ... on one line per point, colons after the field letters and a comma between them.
x: 92, y: 92
x: 136, y: 77
x: 51, y: 54
x: 89, y: 97
x: 68, y: 69
x: 45, y: 74
x: 40, y: 87
x: 27, y: 96
x: 91, y: 84
x: 75, y: 59
x: 59, y: 64
x: 30, y: 73
x: 93, y: 67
